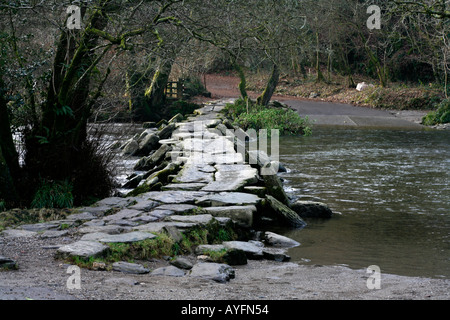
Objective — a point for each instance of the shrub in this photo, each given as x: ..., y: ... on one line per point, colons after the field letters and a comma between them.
x: 440, y: 116
x: 260, y: 117
x: 53, y: 194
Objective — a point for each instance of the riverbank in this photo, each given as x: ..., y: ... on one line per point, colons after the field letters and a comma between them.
x: 40, y: 276
x: 336, y: 105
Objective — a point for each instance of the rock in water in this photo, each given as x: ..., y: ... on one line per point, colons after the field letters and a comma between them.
x: 276, y: 240
x: 285, y: 214
x: 311, y: 209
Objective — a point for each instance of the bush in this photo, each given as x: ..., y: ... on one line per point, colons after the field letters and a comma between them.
x: 440, y: 116
x: 53, y: 194
x: 261, y: 117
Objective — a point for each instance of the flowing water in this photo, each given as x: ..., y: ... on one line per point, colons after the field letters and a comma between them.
x: 390, y: 190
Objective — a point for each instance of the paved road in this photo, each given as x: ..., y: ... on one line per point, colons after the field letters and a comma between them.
x: 338, y: 114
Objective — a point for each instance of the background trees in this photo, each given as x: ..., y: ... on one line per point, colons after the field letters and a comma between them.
x: 54, y: 80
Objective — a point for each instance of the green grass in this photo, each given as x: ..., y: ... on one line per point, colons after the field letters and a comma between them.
x: 257, y: 117
x: 440, y: 116
x: 161, y: 246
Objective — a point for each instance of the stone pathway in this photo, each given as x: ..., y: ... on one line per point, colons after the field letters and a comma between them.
x: 193, y: 176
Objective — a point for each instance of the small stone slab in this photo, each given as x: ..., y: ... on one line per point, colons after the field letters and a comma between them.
x: 132, y: 268
x: 252, y: 250
x: 169, y: 271
x: 161, y: 214
x: 212, y: 271
x: 39, y: 227
x: 84, y: 249
x: 7, y: 263
x: 54, y: 234
x: 276, y: 254
x: 127, y: 237
x: 16, y: 233
x: 182, y: 263
x: 279, y: 241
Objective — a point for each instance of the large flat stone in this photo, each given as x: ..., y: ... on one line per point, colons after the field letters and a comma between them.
x: 84, y: 249
x: 228, y: 199
x: 168, y: 197
x: 193, y: 173
x: 127, y: 237
x: 232, y: 178
x: 144, y: 205
x: 123, y: 214
x: 242, y: 215
x: 200, y: 219
x: 184, y: 186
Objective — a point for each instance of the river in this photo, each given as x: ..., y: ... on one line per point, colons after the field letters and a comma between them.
x: 390, y: 192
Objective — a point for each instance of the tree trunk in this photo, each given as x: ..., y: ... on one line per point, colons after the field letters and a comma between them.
x: 320, y: 76
x: 264, y: 99
x: 9, y: 163
x: 56, y: 141
x: 156, y: 93
x: 243, y: 82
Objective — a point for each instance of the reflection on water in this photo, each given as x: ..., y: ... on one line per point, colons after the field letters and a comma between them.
x: 391, y: 189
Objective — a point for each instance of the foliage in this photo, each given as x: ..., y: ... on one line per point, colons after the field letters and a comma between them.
x: 258, y: 117
x: 15, y: 217
x: 53, y: 194
x: 440, y: 116
x: 163, y: 245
